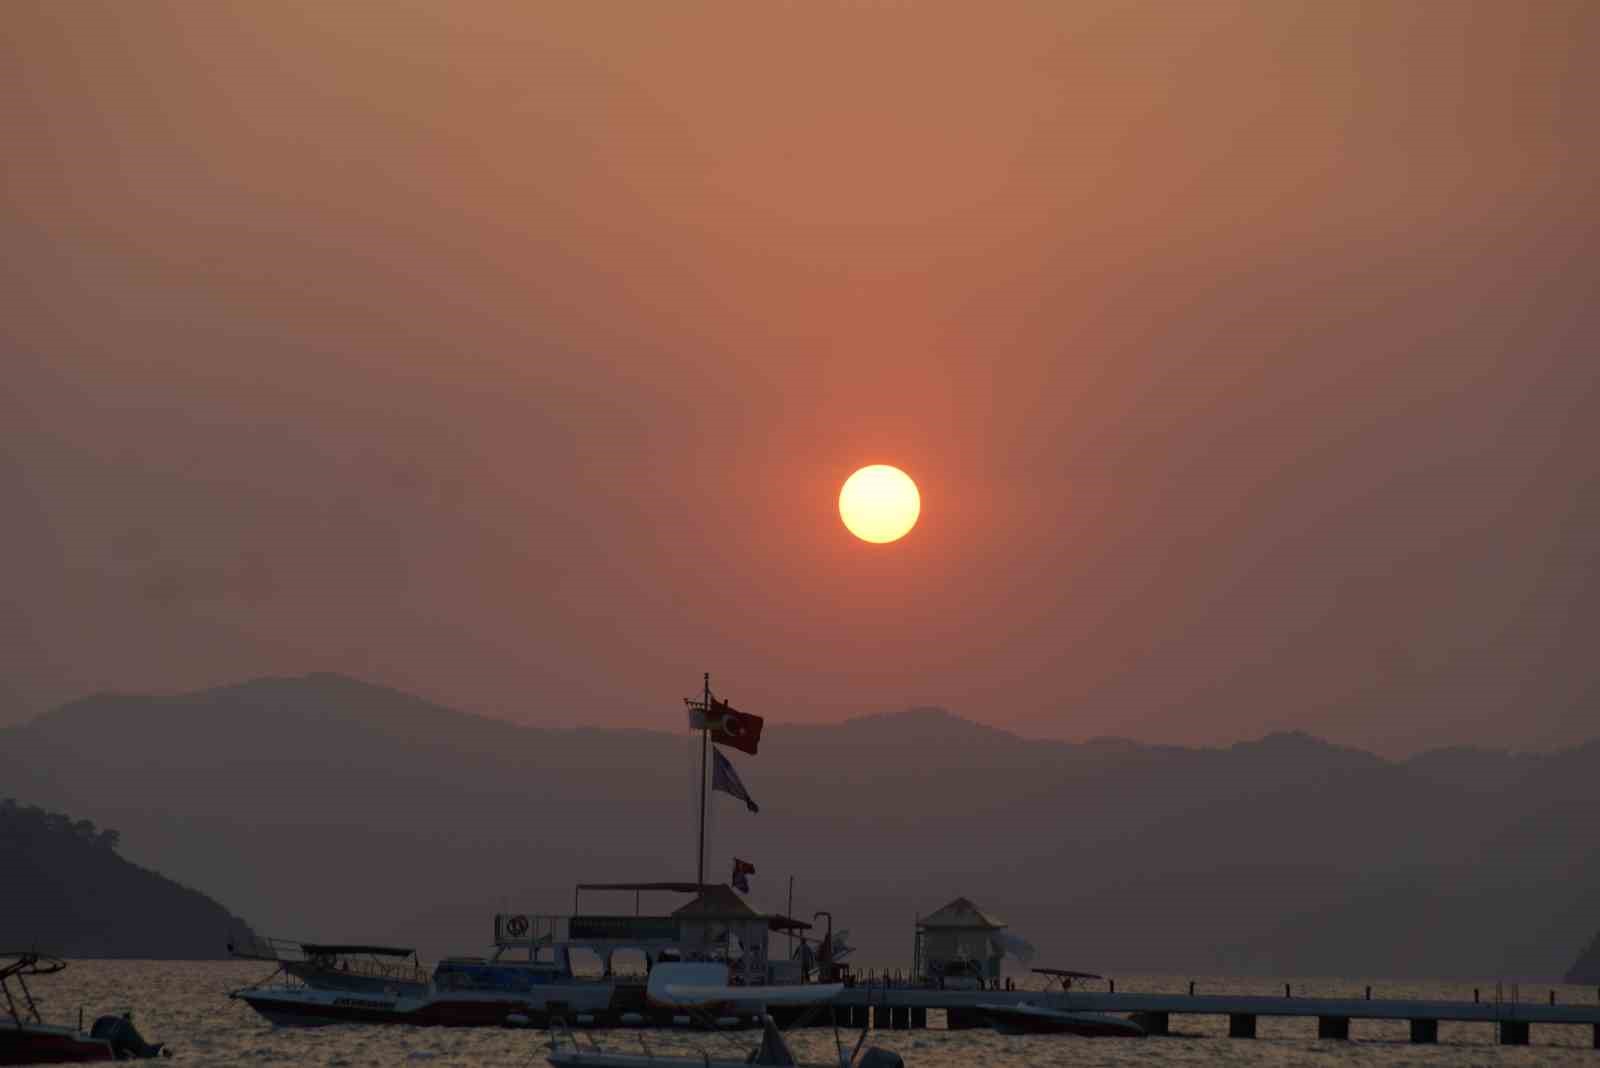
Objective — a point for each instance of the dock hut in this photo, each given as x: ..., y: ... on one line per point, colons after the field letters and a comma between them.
x: 718, y: 920
x: 958, y: 940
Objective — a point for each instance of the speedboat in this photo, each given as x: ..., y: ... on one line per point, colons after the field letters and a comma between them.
x: 703, y: 990
x: 355, y: 984
x: 1030, y: 1018
x: 27, y: 1039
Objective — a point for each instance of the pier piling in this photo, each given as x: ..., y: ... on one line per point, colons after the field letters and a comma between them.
x: 962, y: 1019
x: 898, y: 1009
x: 1513, y: 1032
x: 1154, y: 1023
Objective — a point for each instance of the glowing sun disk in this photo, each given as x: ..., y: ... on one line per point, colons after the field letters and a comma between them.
x: 879, y: 503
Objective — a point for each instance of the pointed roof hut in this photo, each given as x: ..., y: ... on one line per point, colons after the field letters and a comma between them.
x: 958, y: 942
x: 716, y: 902
x: 961, y: 914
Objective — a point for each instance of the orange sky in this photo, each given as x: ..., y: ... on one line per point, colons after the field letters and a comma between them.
x: 514, y: 354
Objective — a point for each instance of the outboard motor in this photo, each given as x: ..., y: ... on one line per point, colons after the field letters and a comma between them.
x: 878, y: 1057
x: 126, y: 1041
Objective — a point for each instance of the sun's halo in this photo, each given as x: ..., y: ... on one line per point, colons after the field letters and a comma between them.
x: 879, y: 503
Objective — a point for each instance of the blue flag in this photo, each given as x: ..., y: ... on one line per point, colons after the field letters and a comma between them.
x: 724, y: 778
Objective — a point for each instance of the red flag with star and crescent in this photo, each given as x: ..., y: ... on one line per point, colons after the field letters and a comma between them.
x: 728, y: 726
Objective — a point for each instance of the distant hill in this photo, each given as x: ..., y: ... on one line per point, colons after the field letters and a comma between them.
x: 1587, y: 968
x: 323, y: 806
x: 68, y: 893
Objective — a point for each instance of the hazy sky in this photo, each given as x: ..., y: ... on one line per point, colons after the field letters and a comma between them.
x: 514, y: 354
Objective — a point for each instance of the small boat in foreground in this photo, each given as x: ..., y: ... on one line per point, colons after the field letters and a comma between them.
x: 26, y: 1039
x: 1028, y: 1019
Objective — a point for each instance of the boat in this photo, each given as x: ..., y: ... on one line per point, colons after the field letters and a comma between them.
x: 585, y: 969
x: 1026, y: 1018
x: 703, y: 990
x: 1029, y: 1018
x: 26, y: 1039
x: 320, y: 983
x: 361, y: 969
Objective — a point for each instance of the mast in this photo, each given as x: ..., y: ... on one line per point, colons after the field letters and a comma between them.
x: 705, y: 743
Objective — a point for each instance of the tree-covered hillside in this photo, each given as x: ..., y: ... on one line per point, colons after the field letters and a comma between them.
x: 67, y: 892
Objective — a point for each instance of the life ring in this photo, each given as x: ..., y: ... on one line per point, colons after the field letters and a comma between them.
x: 518, y: 926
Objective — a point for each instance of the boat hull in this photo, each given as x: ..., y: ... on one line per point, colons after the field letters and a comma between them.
x: 42, y: 1044
x: 311, y: 1007
x: 1036, y: 1020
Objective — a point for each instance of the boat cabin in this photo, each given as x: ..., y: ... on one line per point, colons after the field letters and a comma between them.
x: 715, y: 925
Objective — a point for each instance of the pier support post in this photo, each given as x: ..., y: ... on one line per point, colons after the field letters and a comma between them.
x: 1242, y: 1025
x: 1154, y: 1023
x: 1333, y: 1027
x: 1597, y: 1036
x: 900, y: 1017
x: 1513, y: 1032
x: 1425, y: 1031
x: 919, y: 1017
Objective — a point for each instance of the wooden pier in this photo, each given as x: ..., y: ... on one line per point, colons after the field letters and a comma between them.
x: 898, y: 1007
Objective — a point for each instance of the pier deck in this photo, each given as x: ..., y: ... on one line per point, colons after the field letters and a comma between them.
x: 902, y: 1006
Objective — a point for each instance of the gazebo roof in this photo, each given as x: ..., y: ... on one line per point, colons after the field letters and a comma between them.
x: 961, y: 913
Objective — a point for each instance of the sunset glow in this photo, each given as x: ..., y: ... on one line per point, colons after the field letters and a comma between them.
x: 880, y: 503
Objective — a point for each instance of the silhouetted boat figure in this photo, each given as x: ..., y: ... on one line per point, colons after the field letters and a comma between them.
x: 26, y: 1039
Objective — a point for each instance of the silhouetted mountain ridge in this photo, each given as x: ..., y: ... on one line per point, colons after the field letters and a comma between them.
x: 325, y: 806
x: 68, y: 893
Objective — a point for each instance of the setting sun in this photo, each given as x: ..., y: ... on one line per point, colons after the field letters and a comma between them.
x: 879, y: 503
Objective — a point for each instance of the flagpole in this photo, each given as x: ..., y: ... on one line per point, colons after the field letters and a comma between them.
x: 705, y: 743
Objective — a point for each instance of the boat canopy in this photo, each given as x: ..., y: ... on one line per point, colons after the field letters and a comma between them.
x: 671, y: 888
x: 317, y: 950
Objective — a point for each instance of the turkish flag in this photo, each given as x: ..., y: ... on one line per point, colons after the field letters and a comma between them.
x: 730, y: 727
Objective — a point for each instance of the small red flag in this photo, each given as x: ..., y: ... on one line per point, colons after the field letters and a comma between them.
x: 742, y: 870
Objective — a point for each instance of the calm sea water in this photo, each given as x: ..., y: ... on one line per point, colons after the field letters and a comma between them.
x: 185, y: 1004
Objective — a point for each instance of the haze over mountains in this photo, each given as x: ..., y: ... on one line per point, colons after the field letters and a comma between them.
x: 326, y: 807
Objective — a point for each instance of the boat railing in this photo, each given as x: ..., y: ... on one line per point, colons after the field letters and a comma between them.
x: 291, y: 956
x: 405, y: 972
